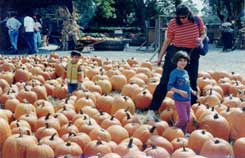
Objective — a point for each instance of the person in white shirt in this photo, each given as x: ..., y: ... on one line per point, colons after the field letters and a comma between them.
x: 29, y: 34
x: 13, y: 26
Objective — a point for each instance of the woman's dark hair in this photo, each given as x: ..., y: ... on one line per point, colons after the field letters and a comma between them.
x: 183, y: 10
x: 180, y: 55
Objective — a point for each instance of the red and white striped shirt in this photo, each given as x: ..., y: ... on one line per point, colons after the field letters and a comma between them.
x: 184, y: 35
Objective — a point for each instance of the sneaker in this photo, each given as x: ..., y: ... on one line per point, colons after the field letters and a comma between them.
x: 151, y: 116
x: 187, y: 135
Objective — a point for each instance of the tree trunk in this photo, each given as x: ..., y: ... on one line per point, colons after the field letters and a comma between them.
x: 140, y: 12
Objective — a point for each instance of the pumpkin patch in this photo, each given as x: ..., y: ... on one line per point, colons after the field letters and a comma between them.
x: 104, y: 117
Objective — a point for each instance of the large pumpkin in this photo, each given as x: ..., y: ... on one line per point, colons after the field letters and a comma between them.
x: 16, y: 146
x: 5, y: 131
x: 216, y: 147
x: 40, y: 150
x: 197, y: 139
x: 239, y: 148
x: 122, y: 102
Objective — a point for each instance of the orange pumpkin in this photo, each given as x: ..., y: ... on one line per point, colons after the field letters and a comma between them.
x: 239, y: 148
x: 155, y: 151
x: 68, y: 148
x: 5, y: 131
x: 118, y: 133
x: 143, y: 99
x: 40, y: 150
x: 197, y: 139
x: 122, y: 102
x: 16, y: 146
x: 183, y: 153
x: 216, y: 147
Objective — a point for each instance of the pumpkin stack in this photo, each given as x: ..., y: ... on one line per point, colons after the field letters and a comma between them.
x: 103, y: 118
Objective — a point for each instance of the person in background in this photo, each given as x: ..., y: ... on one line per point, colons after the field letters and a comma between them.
x: 13, y: 26
x: 73, y: 73
x: 179, y: 83
x: 37, y: 32
x: 227, y: 36
x: 45, y: 33
x: 29, y: 33
x: 183, y: 33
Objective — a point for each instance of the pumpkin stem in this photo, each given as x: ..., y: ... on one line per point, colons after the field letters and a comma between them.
x: 126, y: 110
x: 153, y: 146
x: 125, y: 98
x: 98, y: 142
x: 243, y: 109
x: 20, y: 132
x: 230, y: 97
x: 130, y: 143
x: 184, y: 149
x: 237, y: 84
x: 195, y: 123
x: 203, y: 132
x: 47, y: 116
x: 87, y: 97
x: 144, y: 146
x: 101, y: 112
x: 69, y: 124
x: 152, y: 129
x: 112, y: 117
x: 67, y: 99
x: 128, y: 116
x: 171, y: 120
x: 228, y: 109
x: 216, y: 116
x: 216, y: 141
x: 26, y: 89
x: 89, y: 122
x: 52, y: 136
x: 71, y: 133
x: 68, y: 144
x: 46, y: 125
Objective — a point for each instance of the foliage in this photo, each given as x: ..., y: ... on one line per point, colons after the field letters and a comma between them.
x: 125, y: 12
x: 105, y: 9
x: 166, y: 7
x: 85, y: 10
x: 226, y: 10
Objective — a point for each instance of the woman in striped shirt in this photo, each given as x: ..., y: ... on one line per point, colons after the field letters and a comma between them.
x: 184, y: 32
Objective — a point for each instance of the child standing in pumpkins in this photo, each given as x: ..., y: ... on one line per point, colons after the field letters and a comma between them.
x: 73, y: 72
x: 179, y: 83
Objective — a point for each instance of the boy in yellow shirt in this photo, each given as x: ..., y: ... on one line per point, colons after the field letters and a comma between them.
x: 73, y: 72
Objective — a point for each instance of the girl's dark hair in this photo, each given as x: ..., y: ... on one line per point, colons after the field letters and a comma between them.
x: 180, y: 55
x: 183, y: 10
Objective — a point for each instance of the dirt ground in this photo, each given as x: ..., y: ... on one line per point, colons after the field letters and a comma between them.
x: 215, y: 60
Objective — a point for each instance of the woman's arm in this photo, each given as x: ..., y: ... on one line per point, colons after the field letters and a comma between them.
x: 164, y: 47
